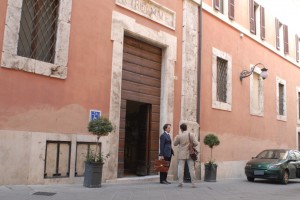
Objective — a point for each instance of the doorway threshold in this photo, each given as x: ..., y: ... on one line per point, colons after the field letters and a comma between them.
x: 135, y: 179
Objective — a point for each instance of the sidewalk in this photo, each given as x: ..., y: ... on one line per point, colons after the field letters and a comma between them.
x: 227, y: 189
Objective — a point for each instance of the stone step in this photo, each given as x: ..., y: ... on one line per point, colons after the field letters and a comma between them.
x: 135, y: 179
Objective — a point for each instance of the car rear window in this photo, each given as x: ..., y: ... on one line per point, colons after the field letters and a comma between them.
x: 272, y: 154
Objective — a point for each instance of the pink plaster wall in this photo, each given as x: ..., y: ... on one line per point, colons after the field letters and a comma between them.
x: 31, y: 102
x: 243, y: 135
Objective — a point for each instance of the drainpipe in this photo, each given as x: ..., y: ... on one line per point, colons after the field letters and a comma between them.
x: 199, y: 59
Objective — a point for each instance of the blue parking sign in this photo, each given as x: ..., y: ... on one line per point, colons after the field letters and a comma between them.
x: 95, y: 114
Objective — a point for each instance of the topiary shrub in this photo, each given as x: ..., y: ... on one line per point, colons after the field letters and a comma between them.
x: 211, y: 140
x: 99, y: 127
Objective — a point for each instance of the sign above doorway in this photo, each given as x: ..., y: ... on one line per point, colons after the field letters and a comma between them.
x: 151, y: 10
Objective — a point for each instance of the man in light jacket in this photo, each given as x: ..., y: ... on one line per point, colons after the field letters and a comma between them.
x: 183, y: 141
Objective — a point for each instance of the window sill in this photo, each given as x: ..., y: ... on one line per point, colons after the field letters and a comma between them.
x: 33, y: 66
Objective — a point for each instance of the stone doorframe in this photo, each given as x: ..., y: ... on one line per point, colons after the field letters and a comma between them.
x: 121, y: 25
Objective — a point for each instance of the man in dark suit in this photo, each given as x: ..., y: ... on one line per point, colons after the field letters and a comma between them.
x: 165, y: 151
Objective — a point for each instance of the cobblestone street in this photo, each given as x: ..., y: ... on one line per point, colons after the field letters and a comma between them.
x: 230, y: 189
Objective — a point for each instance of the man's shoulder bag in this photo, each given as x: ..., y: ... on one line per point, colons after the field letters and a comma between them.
x: 192, y: 150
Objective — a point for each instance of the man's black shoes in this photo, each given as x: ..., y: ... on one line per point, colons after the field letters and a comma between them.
x: 165, y: 182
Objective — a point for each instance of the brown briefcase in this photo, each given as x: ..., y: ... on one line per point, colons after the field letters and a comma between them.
x: 161, y: 165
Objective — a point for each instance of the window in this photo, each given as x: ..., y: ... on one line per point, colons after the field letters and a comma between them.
x: 231, y: 9
x: 57, y: 162
x: 256, y: 93
x: 281, y: 99
x: 219, y: 5
x: 297, y: 48
x: 225, y: 7
x: 82, y: 150
x: 281, y: 36
x: 257, y: 19
x: 36, y: 36
x: 298, y: 104
x: 222, y: 80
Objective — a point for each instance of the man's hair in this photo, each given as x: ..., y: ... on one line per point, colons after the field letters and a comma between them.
x: 183, y: 127
x: 166, y: 126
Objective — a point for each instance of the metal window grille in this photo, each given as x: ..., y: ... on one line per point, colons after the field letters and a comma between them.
x: 281, y: 100
x: 222, y: 80
x: 38, y: 27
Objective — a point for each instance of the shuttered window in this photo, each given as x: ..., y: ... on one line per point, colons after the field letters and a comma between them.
x: 286, y: 39
x: 252, y: 17
x: 297, y: 48
x: 262, y: 23
x: 231, y: 9
x: 277, y: 33
x: 217, y: 4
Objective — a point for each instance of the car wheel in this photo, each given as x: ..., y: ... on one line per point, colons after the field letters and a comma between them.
x: 251, y: 179
x: 285, y: 178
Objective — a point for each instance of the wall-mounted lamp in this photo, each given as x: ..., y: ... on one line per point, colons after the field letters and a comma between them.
x: 263, y: 74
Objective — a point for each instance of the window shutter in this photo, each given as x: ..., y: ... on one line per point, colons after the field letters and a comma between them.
x: 277, y: 33
x: 286, y: 39
x: 262, y: 23
x: 231, y: 9
x: 297, y: 48
x: 252, y: 17
x: 217, y: 4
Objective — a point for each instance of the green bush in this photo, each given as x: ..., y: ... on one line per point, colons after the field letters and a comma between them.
x: 99, y: 127
x: 211, y: 140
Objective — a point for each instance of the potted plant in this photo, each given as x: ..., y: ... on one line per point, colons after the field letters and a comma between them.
x: 210, y: 175
x: 95, y: 160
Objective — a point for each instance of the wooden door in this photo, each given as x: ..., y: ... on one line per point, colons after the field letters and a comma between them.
x: 141, y: 82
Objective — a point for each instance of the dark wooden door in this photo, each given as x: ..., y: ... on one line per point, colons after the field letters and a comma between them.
x: 141, y: 82
x: 143, y: 140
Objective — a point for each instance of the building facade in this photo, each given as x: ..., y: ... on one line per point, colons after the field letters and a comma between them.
x: 141, y: 63
x: 248, y: 114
